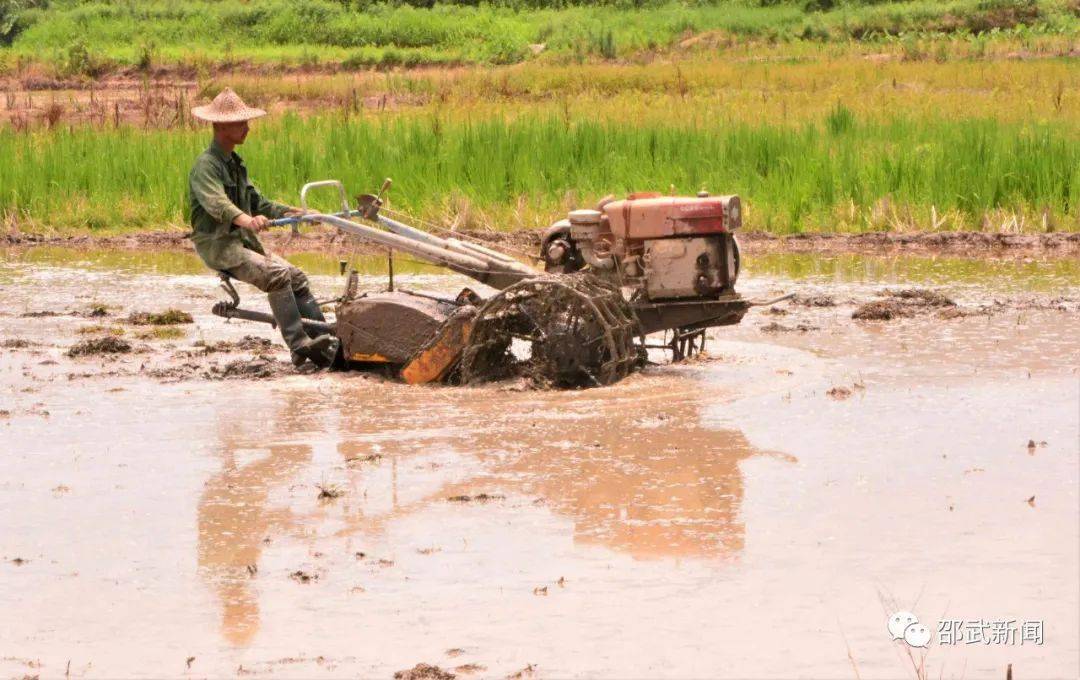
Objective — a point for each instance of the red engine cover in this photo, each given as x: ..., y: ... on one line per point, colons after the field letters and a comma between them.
x: 658, y: 217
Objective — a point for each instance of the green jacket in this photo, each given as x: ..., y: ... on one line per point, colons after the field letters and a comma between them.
x: 218, y: 191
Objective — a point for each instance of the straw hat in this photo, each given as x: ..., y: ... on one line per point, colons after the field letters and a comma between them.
x: 227, y: 107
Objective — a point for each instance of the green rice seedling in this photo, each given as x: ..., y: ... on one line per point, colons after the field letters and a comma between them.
x: 516, y: 172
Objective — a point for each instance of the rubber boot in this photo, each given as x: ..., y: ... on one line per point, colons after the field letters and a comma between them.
x: 319, y: 350
x: 309, y: 309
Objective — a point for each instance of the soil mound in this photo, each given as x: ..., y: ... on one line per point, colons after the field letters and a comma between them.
x: 903, y: 303
x: 109, y: 344
x: 170, y: 317
x: 423, y: 671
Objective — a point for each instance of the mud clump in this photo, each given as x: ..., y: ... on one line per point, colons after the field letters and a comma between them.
x: 99, y: 329
x: 108, y: 344
x: 301, y: 576
x: 882, y: 310
x: 161, y: 333
x: 905, y: 303
x: 478, y: 498
x: 527, y: 672
x: 170, y: 317
x: 16, y: 343
x: 780, y: 328
x: 813, y: 300
x: 257, y: 368
x: 470, y: 668
x: 371, y: 458
x: 948, y: 313
x: 39, y: 315
x: 329, y: 492
x: 922, y: 296
x: 839, y: 393
x: 424, y: 671
x: 248, y: 343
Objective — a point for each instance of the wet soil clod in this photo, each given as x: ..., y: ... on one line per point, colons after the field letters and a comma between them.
x: 301, y: 576
x: 526, y: 672
x: 479, y: 498
x: 469, y: 668
x: 329, y: 492
x: 922, y: 296
x: 108, y: 344
x: 906, y: 302
x: 170, y: 317
x: 424, y: 671
x: 780, y: 328
x: 818, y: 300
x: 248, y: 343
x: 372, y: 458
x: 881, y: 310
x: 839, y: 393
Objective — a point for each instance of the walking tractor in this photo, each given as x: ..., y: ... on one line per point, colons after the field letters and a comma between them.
x: 612, y: 276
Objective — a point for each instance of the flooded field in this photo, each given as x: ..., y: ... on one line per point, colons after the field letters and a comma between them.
x: 187, y: 509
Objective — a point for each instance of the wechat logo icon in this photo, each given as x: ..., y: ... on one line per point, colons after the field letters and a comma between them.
x: 905, y: 626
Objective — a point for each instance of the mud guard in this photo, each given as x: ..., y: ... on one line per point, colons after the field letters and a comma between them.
x: 436, y: 360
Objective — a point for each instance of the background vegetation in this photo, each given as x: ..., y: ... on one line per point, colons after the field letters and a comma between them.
x: 839, y: 173
x: 824, y: 115
x: 93, y: 36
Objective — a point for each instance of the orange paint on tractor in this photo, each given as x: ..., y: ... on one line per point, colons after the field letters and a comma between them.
x: 433, y: 362
x: 369, y: 358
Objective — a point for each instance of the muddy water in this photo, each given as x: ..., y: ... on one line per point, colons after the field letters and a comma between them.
x: 722, y: 518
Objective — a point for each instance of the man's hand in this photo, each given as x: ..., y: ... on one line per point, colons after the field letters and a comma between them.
x: 254, y: 223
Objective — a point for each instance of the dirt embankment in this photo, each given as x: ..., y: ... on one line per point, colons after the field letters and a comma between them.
x: 958, y: 243
x: 961, y: 244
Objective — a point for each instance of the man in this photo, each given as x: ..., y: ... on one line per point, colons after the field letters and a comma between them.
x: 226, y: 213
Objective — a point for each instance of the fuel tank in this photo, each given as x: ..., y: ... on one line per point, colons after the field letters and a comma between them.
x: 666, y: 216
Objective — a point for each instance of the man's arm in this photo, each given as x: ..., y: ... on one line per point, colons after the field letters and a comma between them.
x: 268, y: 208
x: 208, y: 189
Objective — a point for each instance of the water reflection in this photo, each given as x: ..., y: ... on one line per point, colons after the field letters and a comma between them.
x: 637, y: 474
x: 234, y: 515
x: 635, y: 470
x: 649, y: 485
x: 1043, y: 274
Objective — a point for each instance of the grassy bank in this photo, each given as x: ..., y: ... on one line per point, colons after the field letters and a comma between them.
x: 837, y: 173
x: 746, y: 89
x: 90, y: 37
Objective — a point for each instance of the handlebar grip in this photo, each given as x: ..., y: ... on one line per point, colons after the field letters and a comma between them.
x: 286, y: 221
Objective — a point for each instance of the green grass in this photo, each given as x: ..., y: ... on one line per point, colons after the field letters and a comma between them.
x: 837, y: 173
x: 92, y: 36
